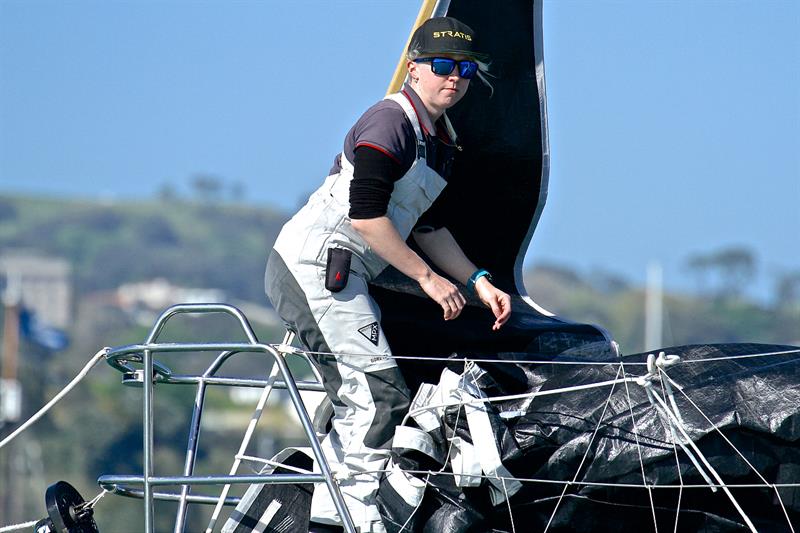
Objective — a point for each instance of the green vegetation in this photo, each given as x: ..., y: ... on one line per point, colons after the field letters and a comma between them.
x: 188, y: 243
x: 715, y: 316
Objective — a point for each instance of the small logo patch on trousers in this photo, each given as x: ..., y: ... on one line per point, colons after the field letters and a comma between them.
x: 370, y: 332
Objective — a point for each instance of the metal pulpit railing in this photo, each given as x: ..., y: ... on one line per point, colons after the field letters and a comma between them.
x: 137, y: 361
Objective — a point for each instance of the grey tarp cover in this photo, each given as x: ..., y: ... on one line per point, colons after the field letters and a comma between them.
x: 588, y: 436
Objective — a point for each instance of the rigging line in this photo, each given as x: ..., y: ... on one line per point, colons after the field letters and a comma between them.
x: 653, y: 364
x: 77, y: 379
x: 716, y: 428
x: 586, y: 453
x: 17, y: 527
x: 490, y: 454
x: 706, y: 463
x: 93, y: 502
x: 297, y: 351
x: 536, y: 394
x: 447, y: 457
x: 678, y: 470
x: 451, y: 440
x: 638, y: 445
x: 743, y: 356
x: 294, y: 350
x: 595, y: 483
x: 508, y: 504
x: 416, y: 508
x: 248, y: 434
x: 668, y: 425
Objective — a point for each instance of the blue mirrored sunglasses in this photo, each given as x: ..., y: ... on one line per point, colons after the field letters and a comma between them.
x: 443, y: 66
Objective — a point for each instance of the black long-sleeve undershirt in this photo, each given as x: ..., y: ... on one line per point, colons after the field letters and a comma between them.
x: 373, y: 182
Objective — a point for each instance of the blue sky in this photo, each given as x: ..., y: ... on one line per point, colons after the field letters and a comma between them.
x: 675, y: 125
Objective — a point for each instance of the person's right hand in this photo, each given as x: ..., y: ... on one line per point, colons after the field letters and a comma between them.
x: 443, y: 293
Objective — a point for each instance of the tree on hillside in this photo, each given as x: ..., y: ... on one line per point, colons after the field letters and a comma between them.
x: 723, y: 273
x: 167, y: 193
x: 206, y: 187
x: 787, y: 290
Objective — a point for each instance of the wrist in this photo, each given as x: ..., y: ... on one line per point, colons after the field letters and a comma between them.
x: 475, y: 277
x: 426, y: 275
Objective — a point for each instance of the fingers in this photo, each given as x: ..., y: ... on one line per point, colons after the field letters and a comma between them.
x: 505, y: 312
x: 446, y: 295
x: 452, y: 305
x: 500, y: 304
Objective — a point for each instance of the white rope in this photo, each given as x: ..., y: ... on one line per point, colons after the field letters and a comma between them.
x: 82, y: 374
x: 85, y: 505
x: 646, y: 382
x: 594, y: 483
x: 669, y: 380
x: 638, y: 446
x: 451, y: 359
x: 586, y: 453
x: 671, y: 432
x: 91, y: 503
x: 716, y: 428
x: 416, y: 508
x: 703, y: 459
x: 248, y: 434
x: 451, y: 440
x: 745, y: 356
x: 296, y: 351
x: 508, y: 504
x: 536, y: 394
x: 16, y: 527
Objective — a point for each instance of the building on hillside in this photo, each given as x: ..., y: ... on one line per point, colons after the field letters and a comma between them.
x: 42, y: 284
x: 145, y: 300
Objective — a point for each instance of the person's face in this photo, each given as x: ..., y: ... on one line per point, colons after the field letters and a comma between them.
x: 438, y: 92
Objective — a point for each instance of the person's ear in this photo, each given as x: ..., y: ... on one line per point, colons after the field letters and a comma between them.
x: 413, y: 73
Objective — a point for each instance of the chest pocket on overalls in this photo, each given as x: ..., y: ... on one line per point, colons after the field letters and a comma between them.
x: 413, y: 194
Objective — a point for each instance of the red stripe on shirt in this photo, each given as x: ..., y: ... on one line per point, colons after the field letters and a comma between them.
x: 380, y: 149
x: 421, y: 124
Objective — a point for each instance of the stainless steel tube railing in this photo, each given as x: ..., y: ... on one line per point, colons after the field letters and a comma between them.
x: 125, y: 359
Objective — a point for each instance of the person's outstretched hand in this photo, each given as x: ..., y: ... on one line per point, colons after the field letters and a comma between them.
x: 495, y: 299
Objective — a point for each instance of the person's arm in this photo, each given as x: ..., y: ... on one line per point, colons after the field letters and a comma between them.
x: 381, y: 235
x: 445, y: 252
x: 372, y: 185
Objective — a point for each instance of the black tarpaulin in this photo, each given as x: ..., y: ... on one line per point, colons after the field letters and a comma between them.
x: 618, y: 453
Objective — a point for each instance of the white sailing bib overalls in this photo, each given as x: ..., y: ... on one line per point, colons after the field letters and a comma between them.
x: 369, y: 394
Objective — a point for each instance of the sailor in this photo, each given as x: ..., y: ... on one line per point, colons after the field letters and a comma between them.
x: 395, y: 163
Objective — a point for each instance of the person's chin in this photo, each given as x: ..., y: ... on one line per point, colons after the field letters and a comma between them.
x: 452, y: 99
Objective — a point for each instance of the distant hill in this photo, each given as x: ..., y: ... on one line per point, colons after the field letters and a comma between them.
x: 223, y: 246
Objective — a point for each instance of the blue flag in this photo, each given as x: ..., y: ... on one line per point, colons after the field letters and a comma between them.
x: 41, y: 333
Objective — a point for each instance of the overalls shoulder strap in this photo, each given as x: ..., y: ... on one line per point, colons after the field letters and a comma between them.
x: 450, y: 131
x: 411, y: 113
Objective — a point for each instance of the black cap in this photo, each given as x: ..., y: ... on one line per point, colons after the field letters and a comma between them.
x: 445, y: 35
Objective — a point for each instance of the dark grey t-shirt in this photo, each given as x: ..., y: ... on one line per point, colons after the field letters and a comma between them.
x: 384, y: 130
